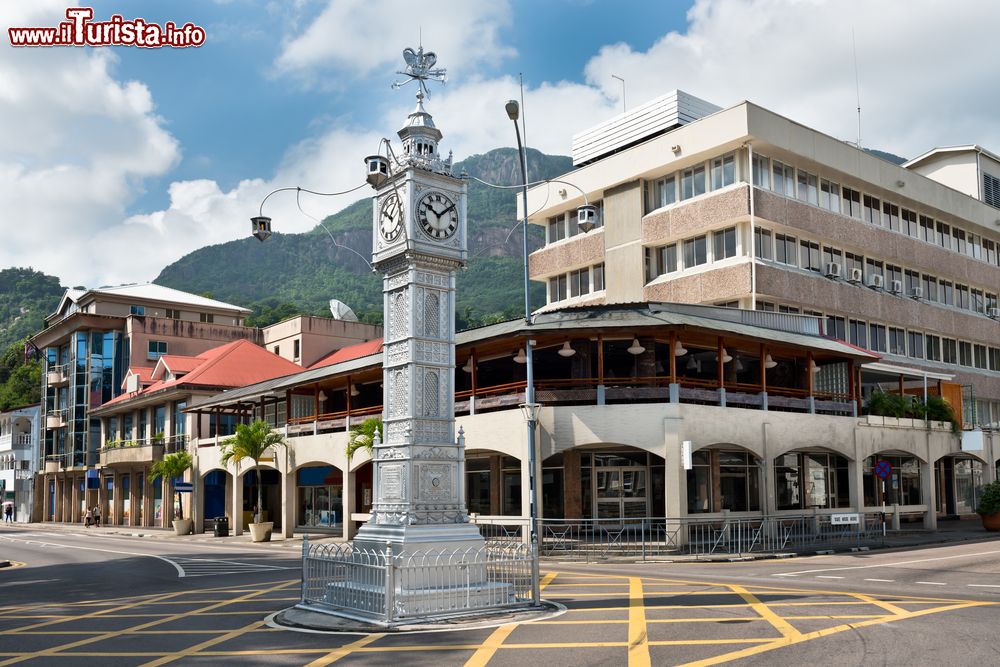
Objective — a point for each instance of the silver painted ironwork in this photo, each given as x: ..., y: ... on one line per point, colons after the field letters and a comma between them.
x: 420, y: 68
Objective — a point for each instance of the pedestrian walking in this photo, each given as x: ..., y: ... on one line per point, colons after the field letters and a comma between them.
x: 8, y: 514
x: 88, y: 518
x: 97, y: 515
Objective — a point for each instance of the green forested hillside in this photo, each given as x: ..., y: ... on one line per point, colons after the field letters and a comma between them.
x: 293, y: 273
x: 26, y: 297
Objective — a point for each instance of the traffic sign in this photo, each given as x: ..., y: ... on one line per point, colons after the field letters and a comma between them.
x: 183, y: 487
x: 883, y: 469
x: 841, y: 519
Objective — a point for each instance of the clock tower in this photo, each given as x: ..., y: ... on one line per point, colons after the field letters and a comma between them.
x: 419, y: 244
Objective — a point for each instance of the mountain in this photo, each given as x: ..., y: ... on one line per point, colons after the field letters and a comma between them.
x: 889, y: 157
x: 26, y: 297
x: 293, y: 273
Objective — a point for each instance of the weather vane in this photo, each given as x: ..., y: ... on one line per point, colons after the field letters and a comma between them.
x: 420, y: 68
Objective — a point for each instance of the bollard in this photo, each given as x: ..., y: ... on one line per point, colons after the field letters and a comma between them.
x: 390, y: 581
x: 305, y: 563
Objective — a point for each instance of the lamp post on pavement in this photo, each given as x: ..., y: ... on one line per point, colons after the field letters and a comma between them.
x: 529, y: 408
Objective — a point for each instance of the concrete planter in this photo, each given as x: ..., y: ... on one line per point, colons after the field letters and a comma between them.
x: 261, y: 532
x: 183, y: 526
x: 991, y: 522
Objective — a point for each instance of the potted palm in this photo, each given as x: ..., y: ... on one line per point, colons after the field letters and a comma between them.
x: 173, y: 466
x: 362, y: 436
x: 252, y: 442
x: 989, y: 506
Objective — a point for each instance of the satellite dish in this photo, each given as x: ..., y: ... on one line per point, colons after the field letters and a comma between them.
x: 341, y: 311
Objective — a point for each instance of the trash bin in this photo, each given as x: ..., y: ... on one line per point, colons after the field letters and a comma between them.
x: 222, y: 526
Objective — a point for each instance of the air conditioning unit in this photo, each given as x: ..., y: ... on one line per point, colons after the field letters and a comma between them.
x: 857, y: 275
x: 917, y: 293
x: 832, y: 269
x: 896, y: 286
x: 994, y: 313
x: 876, y: 281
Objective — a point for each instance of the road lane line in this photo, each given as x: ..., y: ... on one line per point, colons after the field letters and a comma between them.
x: 883, y: 581
x: 932, y: 583
x: 489, y: 647
x: 638, y: 639
x: 827, y: 576
x: 780, y: 624
x: 874, y: 565
x: 984, y: 585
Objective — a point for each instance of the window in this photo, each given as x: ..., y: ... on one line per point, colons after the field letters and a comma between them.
x: 724, y: 244
x: 808, y: 188
x: 784, y: 249
x: 809, y: 255
x: 933, y: 347
x: 979, y: 356
x: 173, y: 314
x: 944, y: 235
x: 765, y: 306
x: 790, y: 310
x: 296, y: 349
x: 857, y: 331
x: 975, y: 249
x: 208, y: 318
x: 946, y: 293
x: 852, y: 203
x: 829, y: 195
x: 663, y: 192
x: 871, y: 210
x: 852, y: 261
x: 723, y: 171
x: 909, y: 221
x: 890, y: 213
x: 833, y: 255
x: 695, y: 251
x: 873, y: 268
x: 911, y: 281
x: 806, y: 480
x: 962, y: 296
x: 667, y: 258
x: 991, y: 190
x: 989, y: 251
x: 965, y: 353
x: 926, y: 229
x: 877, y: 338
x: 977, y: 301
x: 915, y: 342
x: 897, y: 341
x: 599, y: 277
x: 930, y: 286
x: 958, y: 240
x: 783, y: 181
x: 137, y: 310
x: 557, y: 229
x: 949, y: 350
x: 893, y: 273
x: 763, y: 243
x: 574, y: 224
x: 693, y: 182
x: 836, y: 327
x: 994, y: 357
x: 579, y: 282
x: 557, y: 288
x: 761, y: 171
x: 157, y: 348
x: 905, y: 487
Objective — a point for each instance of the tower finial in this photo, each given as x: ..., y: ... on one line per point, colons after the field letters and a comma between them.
x: 420, y: 68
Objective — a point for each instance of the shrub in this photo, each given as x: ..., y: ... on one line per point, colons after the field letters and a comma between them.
x: 989, y: 499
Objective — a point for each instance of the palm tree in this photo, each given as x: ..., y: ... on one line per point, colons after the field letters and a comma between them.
x: 362, y: 436
x: 252, y: 441
x: 172, y: 466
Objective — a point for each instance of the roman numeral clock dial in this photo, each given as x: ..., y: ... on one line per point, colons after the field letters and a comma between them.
x: 438, y: 215
x: 390, y: 220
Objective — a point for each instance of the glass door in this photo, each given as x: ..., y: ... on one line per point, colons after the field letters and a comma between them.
x: 620, y: 493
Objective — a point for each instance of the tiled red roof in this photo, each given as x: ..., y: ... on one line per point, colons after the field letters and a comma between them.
x: 355, y: 351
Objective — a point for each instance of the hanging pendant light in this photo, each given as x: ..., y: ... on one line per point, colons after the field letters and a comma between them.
x: 635, y: 348
x: 468, y: 366
x: 521, y: 357
x: 813, y: 367
x: 691, y: 364
x: 322, y: 395
x: 354, y: 390
x: 566, y: 350
x: 739, y: 365
x: 769, y: 362
x: 725, y: 356
x: 679, y: 350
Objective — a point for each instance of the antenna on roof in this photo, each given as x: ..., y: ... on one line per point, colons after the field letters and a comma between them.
x: 857, y: 82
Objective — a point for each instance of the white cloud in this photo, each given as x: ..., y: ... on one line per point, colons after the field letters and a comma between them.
x: 924, y: 73
x: 353, y: 38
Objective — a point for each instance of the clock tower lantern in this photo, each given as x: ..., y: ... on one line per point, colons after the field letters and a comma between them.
x: 419, y: 244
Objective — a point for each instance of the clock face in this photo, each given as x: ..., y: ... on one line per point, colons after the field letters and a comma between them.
x: 390, y: 219
x: 438, y: 215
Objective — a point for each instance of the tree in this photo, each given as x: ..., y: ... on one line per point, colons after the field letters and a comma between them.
x: 362, y: 436
x: 173, y: 466
x: 252, y: 441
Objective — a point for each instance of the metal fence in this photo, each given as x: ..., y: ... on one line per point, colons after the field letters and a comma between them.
x: 381, y: 587
x: 601, y: 539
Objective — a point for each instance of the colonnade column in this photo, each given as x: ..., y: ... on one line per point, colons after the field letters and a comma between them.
x: 236, y: 509
x: 75, y: 502
x: 348, y: 505
x: 928, y: 494
x: 287, y: 503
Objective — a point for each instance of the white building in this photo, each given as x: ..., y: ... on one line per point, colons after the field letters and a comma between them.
x: 19, y: 428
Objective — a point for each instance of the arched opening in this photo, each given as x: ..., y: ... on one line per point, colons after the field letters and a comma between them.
x: 319, y: 498
x: 608, y: 481
x: 492, y: 483
x: 214, y: 496
x: 364, y: 490
x: 724, y: 477
x: 900, y: 487
x: 808, y: 479
x: 270, y: 481
x: 957, y: 480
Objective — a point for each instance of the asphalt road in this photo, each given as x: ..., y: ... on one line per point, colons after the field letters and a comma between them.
x: 95, y: 599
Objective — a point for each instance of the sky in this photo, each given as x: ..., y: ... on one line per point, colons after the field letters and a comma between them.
x: 116, y: 161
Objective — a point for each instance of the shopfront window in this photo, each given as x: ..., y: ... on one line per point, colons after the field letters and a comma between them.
x: 158, y: 501
x: 807, y: 480
x: 511, y: 479
x: 477, y: 485
x: 320, y: 497
x: 902, y: 487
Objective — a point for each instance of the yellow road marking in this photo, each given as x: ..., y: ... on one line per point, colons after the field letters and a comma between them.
x: 888, y: 606
x: 765, y: 612
x: 788, y: 641
x: 346, y: 649
x: 638, y: 640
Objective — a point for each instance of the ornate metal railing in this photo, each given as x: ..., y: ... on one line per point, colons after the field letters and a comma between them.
x: 383, y: 588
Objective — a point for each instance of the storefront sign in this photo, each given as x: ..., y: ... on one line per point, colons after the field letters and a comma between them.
x: 842, y: 519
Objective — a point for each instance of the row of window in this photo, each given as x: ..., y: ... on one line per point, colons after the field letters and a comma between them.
x: 576, y: 283
x: 692, y: 252
x: 696, y: 180
x: 810, y: 255
x: 564, y: 225
x: 172, y: 314
x: 904, y: 342
x: 809, y: 188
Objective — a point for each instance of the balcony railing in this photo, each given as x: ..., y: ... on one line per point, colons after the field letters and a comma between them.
x: 141, y: 451
x: 55, y: 418
x: 57, y: 374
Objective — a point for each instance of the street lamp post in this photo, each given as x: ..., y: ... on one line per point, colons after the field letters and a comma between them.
x: 529, y: 408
